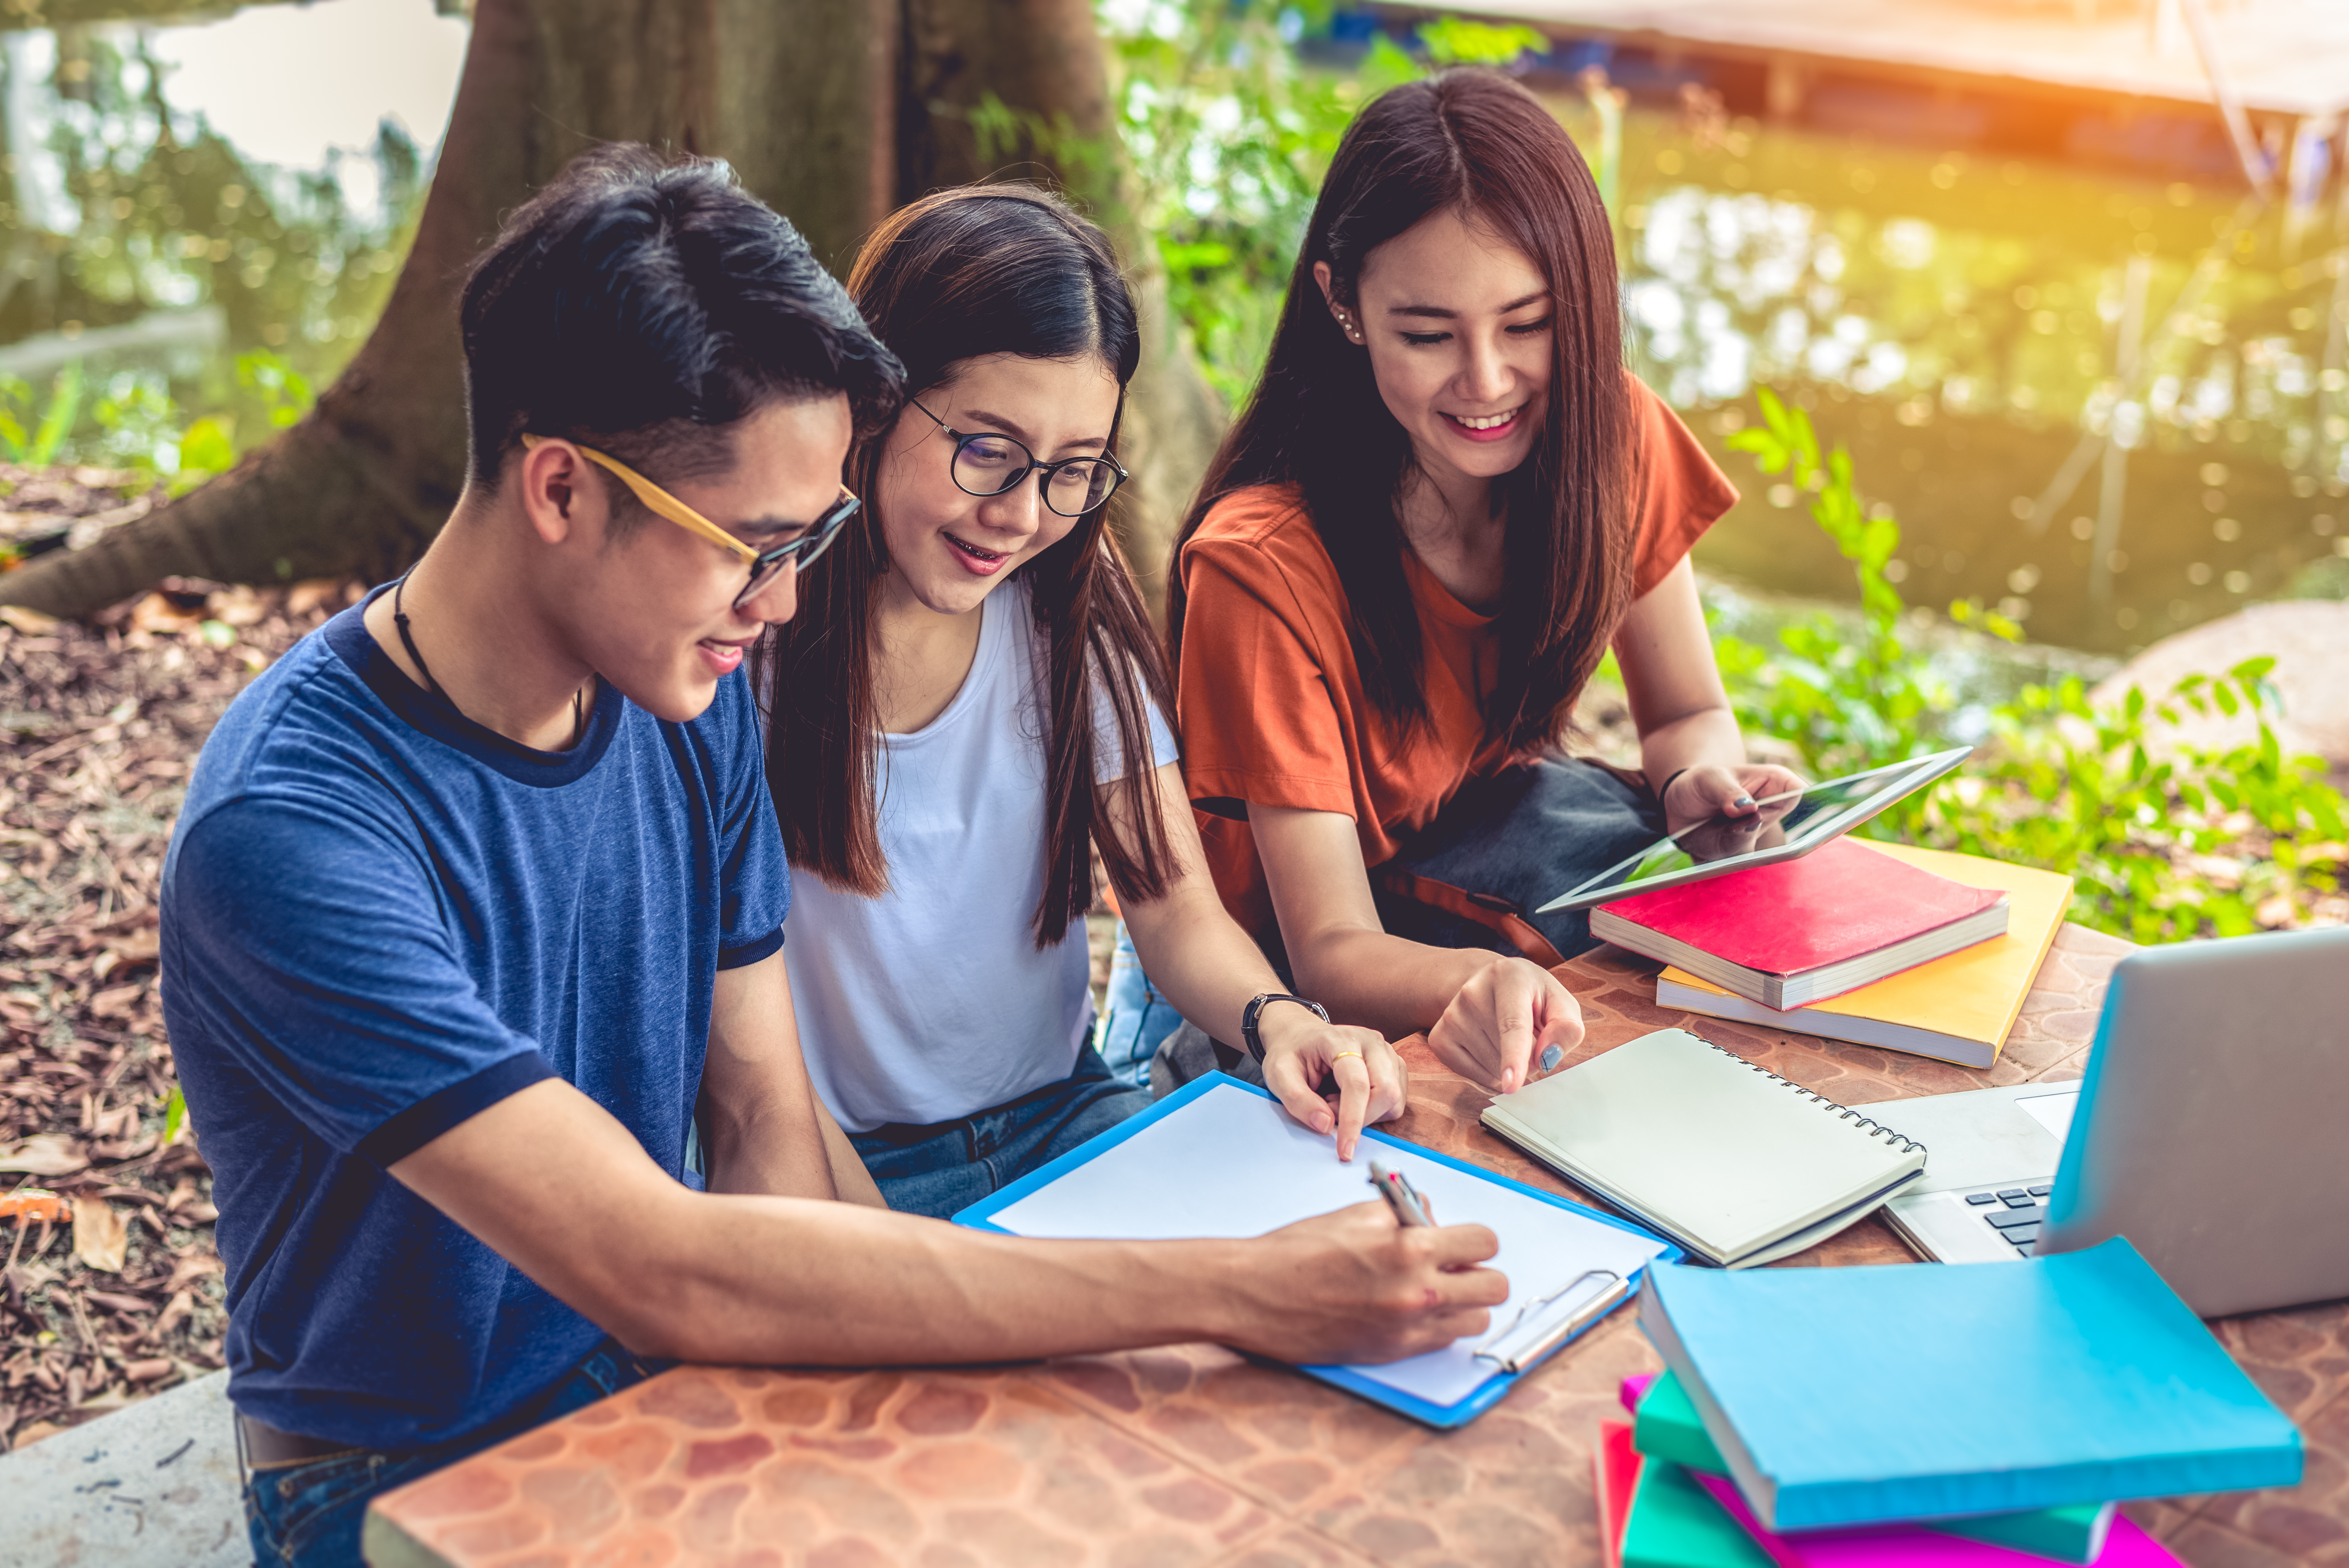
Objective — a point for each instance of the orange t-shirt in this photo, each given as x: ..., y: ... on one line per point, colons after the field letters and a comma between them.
x: 1271, y: 700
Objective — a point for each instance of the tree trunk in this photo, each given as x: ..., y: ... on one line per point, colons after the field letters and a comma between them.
x: 832, y: 110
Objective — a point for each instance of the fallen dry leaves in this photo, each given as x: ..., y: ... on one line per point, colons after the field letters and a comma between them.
x: 101, y: 1237
x: 111, y: 1288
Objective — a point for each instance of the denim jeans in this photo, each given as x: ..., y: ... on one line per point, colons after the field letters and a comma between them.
x: 309, y: 1514
x: 1137, y: 1019
x: 942, y: 1166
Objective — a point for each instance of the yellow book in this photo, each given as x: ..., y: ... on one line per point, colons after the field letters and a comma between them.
x: 1958, y: 1008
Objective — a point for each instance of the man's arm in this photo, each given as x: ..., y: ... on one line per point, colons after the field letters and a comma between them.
x: 563, y: 1190
x: 764, y: 1129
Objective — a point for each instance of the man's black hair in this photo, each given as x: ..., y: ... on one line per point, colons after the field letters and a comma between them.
x: 639, y: 305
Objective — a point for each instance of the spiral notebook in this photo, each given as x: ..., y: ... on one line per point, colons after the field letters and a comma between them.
x: 1737, y: 1164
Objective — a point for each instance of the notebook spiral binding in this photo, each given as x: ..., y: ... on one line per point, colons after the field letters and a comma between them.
x: 1868, y: 1125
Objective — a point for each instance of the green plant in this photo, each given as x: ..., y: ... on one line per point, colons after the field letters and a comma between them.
x: 207, y: 447
x: 1227, y: 135
x: 1844, y: 703
x: 138, y: 422
x: 284, y: 397
x: 1457, y: 41
x: 1007, y: 136
x: 50, y: 426
x: 2166, y: 837
x: 140, y: 428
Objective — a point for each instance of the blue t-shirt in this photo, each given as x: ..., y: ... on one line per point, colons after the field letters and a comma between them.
x: 378, y: 919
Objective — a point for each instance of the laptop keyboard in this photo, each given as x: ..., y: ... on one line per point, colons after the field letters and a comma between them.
x: 2015, y: 1212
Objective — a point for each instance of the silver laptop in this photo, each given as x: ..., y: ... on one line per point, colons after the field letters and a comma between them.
x: 2211, y: 1130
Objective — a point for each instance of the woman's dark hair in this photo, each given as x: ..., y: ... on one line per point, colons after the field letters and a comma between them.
x: 1475, y: 143
x: 977, y: 270
x: 640, y: 305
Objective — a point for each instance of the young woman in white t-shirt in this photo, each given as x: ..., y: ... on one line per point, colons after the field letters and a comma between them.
x: 971, y: 695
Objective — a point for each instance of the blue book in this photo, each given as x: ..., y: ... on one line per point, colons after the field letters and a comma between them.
x: 1868, y: 1396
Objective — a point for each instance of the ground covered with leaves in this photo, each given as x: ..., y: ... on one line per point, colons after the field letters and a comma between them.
x: 111, y: 1287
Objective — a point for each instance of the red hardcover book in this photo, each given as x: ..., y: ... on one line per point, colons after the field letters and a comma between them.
x: 1615, y: 1476
x: 1803, y: 930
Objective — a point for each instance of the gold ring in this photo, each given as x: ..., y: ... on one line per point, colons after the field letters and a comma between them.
x: 1341, y: 1056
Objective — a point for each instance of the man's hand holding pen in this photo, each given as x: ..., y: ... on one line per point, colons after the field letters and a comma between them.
x: 1357, y: 1286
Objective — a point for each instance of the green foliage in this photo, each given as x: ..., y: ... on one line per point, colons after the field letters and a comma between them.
x: 1457, y: 41
x: 284, y: 395
x: 1007, y: 136
x: 136, y: 420
x: 206, y: 447
x: 50, y: 425
x: 1227, y: 135
x: 175, y: 1113
x: 141, y: 429
x: 2165, y: 843
x: 1846, y: 704
x: 2167, y: 839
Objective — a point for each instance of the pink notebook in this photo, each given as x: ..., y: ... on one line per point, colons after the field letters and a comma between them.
x: 1909, y: 1546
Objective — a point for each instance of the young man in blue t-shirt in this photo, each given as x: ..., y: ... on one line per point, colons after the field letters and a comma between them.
x: 478, y: 893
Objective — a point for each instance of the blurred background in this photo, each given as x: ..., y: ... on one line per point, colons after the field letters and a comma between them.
x: 1982, y: 261
x: 204, y: 213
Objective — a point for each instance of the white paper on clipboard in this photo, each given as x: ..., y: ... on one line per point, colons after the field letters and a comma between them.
x: 1232, y: 1163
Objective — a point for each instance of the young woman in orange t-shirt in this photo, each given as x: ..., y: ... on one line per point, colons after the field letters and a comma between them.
x: 1445, y: 501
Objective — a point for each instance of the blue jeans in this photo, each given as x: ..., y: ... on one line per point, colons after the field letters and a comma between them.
x: 1139, y: 1016
x: 309, y: 1514
x: 944, y: 1167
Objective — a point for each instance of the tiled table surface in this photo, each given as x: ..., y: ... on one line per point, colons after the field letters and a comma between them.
x: 1194, y: 1455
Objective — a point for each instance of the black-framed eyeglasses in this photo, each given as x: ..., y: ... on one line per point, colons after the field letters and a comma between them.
x: 987, y: 464
x: 766, y: 566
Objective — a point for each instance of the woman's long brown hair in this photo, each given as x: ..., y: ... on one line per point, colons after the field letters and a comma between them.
x: 977, y: 270
x: 1474, y: 142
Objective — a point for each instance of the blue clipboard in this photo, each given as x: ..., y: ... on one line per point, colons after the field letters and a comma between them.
x: 981, y: 1216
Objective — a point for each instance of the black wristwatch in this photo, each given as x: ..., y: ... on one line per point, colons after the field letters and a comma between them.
x: 1251, y: 1038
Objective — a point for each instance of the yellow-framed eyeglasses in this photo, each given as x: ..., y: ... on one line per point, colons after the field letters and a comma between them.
x: 765, y: 564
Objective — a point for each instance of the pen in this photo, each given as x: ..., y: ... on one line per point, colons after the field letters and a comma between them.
x: 1397, y: 1191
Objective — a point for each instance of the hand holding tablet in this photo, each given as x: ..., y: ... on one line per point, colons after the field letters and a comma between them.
x: 1782, y: 827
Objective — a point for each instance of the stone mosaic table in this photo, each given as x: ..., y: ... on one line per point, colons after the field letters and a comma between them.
x: 1197, y: 1455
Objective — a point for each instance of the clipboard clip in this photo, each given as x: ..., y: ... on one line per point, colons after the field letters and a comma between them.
x: 1522, y: 1345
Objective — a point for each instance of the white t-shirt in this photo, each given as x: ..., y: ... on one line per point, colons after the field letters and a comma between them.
x: 932, y: 1002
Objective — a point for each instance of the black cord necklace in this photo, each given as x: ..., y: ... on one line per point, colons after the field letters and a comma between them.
x: 407, y: 641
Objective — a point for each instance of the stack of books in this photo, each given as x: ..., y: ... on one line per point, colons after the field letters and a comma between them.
x: 1861, y: 1419
x: 1911, y: 950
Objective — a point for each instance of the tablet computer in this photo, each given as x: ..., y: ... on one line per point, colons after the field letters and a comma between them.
x: 1787, y: 827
